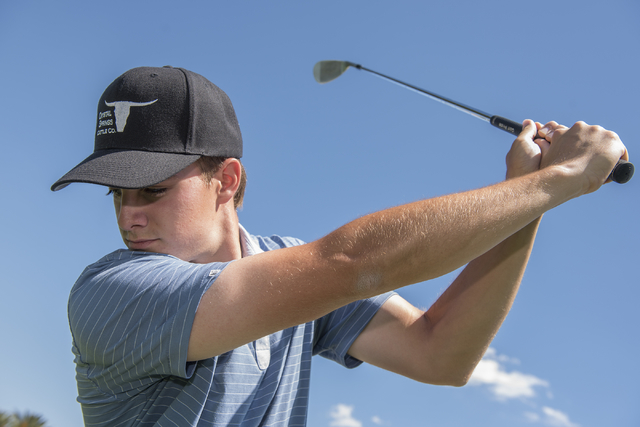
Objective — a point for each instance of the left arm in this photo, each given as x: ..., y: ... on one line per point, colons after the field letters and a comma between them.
x: 444, y: 344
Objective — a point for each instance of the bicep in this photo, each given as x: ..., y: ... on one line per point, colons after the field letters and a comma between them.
x: 262, y: 294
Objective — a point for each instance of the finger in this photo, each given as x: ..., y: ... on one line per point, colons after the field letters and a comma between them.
x: 550, y: 129
x: 625, y: 156
x: 543, y: 144
x: 538, y: 127
x: 529, y: 129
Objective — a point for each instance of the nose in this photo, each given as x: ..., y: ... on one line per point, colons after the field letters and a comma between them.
x: 130, y: 211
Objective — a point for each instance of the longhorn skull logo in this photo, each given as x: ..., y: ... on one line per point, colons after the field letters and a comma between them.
x: 122, y: 111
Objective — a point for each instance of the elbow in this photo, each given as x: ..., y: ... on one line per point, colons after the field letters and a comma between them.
x: 458, y: 375
x: 446, y: 373
x: 459, y: 380
x: 452, y: 379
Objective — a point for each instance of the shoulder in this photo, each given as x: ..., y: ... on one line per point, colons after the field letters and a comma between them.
x: 135, y: 271
x: 276, y: 242
x: 126, y: 289
x: 270, y: 243
x: 131, y: 263
x: 253, y: 244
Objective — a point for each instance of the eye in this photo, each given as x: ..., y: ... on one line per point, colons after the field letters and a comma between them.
x: 115, y: 191
x: 155, y: 191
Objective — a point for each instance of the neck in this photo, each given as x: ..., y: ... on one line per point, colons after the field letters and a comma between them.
x: 230, y: 248
x: 227, y: 240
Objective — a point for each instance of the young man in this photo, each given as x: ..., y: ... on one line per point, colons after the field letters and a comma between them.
x: 201, y: 323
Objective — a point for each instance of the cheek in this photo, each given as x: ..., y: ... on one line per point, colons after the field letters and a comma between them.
x: 193, y: 218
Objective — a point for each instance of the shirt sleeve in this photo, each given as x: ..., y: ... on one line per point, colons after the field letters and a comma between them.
x: 131, y: 316
x: 335, y: 332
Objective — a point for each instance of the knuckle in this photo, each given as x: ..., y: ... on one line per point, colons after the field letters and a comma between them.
x: 594, y: 130
x: 611, y: 135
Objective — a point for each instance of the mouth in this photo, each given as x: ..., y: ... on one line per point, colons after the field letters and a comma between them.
x: 140, y: 244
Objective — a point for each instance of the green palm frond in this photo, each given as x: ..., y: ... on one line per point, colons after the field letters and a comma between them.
x: 27, y: 419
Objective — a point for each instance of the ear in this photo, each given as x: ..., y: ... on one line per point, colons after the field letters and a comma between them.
x: 229, y: 175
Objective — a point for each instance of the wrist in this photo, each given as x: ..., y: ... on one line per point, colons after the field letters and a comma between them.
x: 562, y: 183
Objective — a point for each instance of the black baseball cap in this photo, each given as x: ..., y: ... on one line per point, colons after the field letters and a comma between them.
x: 152, y: 123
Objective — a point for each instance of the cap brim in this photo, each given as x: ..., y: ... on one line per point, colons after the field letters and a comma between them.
x: 126, y: 168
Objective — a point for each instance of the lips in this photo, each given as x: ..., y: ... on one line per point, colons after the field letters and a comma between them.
x: 140, y: 244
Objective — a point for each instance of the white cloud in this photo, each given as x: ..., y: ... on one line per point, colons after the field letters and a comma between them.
x: 512, y: 385
x: 341, y: 415
x: 377, y: 420
x: 532, y: 416
x: 505, y: 385
x: 493, y: 354
x: 555, y: 418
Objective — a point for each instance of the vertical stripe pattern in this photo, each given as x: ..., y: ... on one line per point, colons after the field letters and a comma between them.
x: 131, y: 314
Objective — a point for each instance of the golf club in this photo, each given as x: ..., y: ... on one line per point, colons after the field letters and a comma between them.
x: 326, y: 71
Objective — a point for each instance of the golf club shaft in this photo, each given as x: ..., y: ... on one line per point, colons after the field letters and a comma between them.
x: 621, y: 173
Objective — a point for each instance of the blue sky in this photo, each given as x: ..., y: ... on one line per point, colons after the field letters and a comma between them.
x: 319, y: 156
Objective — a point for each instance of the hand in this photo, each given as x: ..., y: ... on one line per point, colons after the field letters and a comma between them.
x: 586, y: 153
x: 526, y: 151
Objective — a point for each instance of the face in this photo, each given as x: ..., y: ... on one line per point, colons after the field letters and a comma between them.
x: 179, y: 217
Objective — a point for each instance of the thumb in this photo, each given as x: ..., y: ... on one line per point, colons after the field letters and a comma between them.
x: 529, y: 129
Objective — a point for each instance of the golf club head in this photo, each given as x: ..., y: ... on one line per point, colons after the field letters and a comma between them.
x: 325, y: 71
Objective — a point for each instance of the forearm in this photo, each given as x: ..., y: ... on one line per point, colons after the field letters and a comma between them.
x: 494, y: 235
x: 426, y: 239
x: 466, y: 317
x: 400, y: 246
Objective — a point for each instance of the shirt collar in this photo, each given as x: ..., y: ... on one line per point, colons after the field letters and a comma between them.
x: 249, y: 246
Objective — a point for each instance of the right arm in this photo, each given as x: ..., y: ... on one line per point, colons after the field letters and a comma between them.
x: 393, y: 248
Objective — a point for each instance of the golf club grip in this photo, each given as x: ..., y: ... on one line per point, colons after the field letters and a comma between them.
x: 621, y: 173
x: 506, y: 125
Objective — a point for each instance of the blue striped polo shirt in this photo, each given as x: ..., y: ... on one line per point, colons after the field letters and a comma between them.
x: 131, y: 314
